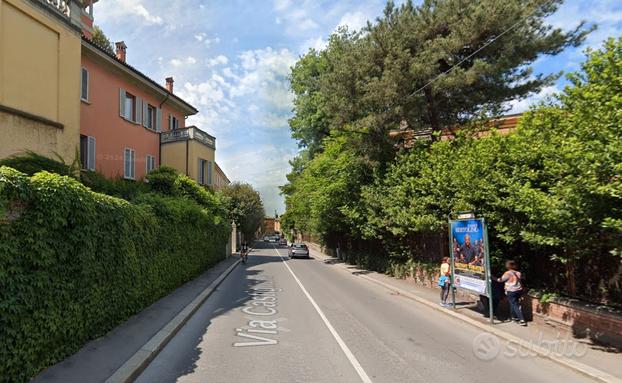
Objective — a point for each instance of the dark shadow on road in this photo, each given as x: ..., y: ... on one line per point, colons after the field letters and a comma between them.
x: 237, y: 297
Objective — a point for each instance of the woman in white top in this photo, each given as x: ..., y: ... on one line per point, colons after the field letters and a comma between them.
x: 513, y: 290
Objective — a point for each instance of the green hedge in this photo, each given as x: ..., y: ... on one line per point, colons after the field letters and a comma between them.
x: 75, y: 263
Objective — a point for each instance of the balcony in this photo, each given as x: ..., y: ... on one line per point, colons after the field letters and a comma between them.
x: 62, y: 6
x: 189, y: 133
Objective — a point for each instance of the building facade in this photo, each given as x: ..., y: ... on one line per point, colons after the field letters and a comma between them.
x: 39, y: 85
x: 221, y: 180
x: 123, y: 112
x: 63, y: 95
x: 405, y: 137
x: 190, y: 151
x: 272, y: 225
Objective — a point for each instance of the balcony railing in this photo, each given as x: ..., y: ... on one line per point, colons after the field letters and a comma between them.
x: 61, y: 6
x: 189, y: 133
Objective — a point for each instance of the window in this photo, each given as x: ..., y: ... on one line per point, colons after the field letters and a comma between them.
x: 87, y: 152
x: 201, y: 175
x: 149, y: 119
x: 130, y: 107
x: 209, y: 173
x: 152, y: 117
x: 173, y: 122
x: 150, y: 162
x: 84, y: 85
x: 128, y: 160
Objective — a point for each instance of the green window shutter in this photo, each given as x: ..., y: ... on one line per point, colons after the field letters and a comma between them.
x: 126, y: 163
x: 122, y: 102
x: 200, y: 172
x: 146, y: 115
x: 139, y: 110
x: 158, y: 121
x: 84, y: 89
x: 91, y: 154
x: 133, y: 164
x: 209, y: 172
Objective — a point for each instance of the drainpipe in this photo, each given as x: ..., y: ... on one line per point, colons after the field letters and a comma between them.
x: 160, y: 147
x: 187, y: 143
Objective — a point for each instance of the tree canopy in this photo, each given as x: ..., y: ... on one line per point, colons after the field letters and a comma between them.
x: 551, y: 191
x: 100, y: 38
x: 431, y: 66
x: 245, y: 207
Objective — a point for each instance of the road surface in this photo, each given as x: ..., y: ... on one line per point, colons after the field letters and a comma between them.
x: 302, y: 320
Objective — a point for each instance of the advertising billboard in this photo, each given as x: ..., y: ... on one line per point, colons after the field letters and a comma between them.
x: 469, y: 255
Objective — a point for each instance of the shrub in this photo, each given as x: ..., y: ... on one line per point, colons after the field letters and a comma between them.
x: 551, y: 191
x: 119, y: 187
x: 162, y: 180
x: 30, y: 163
x: 75, y: 263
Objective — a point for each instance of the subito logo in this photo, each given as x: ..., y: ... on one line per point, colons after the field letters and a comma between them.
x: 486, y: 346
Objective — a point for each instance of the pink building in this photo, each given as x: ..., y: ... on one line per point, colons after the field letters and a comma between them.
x: 123, y: 113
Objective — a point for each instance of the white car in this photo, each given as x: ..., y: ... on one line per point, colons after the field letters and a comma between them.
x: 298, y: 250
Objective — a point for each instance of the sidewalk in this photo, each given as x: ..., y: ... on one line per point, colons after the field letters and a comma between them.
x: 100, y: 358
x: 595, y: 356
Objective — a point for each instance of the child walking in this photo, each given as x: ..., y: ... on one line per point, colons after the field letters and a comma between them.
x: 444, y: 281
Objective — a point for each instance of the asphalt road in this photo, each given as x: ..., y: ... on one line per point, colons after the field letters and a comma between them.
x: 302, y: 320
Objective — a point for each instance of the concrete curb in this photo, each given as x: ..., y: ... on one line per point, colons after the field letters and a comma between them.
x: 581, y: 368
x: 141, y: 359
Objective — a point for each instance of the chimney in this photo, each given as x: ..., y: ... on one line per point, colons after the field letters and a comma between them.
x: 169, y: 84
x: 121, y: 49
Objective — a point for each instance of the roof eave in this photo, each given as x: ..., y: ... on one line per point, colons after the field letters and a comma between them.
x: 188, y: 109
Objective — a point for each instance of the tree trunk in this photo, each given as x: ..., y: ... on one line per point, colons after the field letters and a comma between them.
x: 431, y: 109
x: 571, y: 284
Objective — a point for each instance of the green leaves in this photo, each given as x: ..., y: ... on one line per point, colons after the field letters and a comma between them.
x: 553, y: 186
x: 75, y: 263
x: 244, y: 206
x: 551, y: 191
x: 430, y: 66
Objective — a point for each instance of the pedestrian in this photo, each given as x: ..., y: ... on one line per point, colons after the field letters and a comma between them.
x: 444, y: 281
x: 513, y: 290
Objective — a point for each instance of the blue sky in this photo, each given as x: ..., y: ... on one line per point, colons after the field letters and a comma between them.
x: 230, y: 59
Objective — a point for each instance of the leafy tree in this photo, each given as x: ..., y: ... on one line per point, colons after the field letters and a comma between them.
x: 478, y: 53
x: 572, y: 191
x: 319, y: 195
x: 431, y: 66
x: 364, y: 84
x: 551, y: 191
x: 100, y: 38
x: 245, y: 207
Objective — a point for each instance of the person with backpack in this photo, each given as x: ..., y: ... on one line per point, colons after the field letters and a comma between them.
x: 513, y: 290
x: 444, y: 281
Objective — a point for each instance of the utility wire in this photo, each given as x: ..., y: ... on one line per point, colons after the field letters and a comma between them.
x: 477, y: 50
x: 488, y: 43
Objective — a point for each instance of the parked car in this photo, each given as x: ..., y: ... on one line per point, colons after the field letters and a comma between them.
x: 298, y: 250
x: 282, y: 242
x: 274, y: 239
x: 266, y: 238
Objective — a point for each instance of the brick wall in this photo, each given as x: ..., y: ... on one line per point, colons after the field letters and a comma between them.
x: 599, y: 323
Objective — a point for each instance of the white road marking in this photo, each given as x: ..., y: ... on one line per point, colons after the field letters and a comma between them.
x: 353, y: 361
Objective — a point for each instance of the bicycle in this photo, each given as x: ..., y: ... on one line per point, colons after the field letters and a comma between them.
x: 244, y: 255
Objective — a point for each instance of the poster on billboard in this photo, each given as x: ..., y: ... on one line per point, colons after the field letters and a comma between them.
x: 469, y: 255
